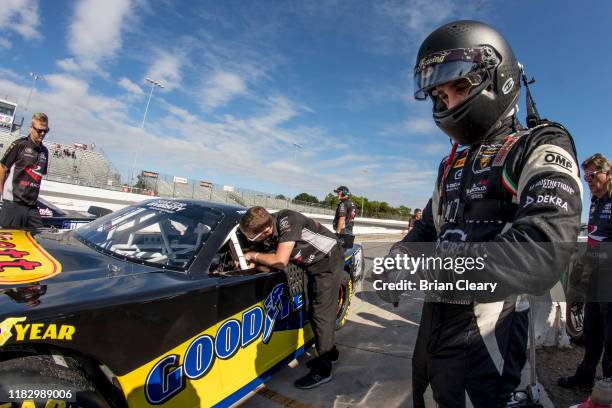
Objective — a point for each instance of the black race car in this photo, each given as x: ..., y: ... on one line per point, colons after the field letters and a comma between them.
x: 150, y: 305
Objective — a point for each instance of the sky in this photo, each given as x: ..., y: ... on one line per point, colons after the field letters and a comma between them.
x: 245, y: 81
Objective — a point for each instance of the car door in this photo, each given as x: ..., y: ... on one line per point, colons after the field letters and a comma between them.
x: 262, y: 326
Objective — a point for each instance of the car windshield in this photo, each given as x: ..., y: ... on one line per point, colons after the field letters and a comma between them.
x: 167, y: 233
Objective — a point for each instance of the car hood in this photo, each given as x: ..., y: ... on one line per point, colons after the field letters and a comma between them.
x: 57, y: 270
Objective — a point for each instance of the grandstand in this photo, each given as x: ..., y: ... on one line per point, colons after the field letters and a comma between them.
x: 164, y: 186
x: 78, y: 164
x: 72, y: 164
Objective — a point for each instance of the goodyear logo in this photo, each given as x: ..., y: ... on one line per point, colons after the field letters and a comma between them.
x: 23, y: 260
x: 167, y: 377
x: 34, y: 331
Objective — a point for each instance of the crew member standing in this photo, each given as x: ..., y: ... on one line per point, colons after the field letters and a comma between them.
x: 510, y: 193
x: 21, y: 171
x: 597, y: 325
x: 306, y: 243
x: 345, y: 212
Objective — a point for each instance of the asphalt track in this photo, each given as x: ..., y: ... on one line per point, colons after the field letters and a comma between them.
x: 376, y: 347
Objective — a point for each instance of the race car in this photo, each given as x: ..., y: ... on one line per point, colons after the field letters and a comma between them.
x: 152, y: 305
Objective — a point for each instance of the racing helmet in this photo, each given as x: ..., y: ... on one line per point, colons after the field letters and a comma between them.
x: 476, y: 52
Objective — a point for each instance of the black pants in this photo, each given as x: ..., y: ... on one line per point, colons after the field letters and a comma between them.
x: 20, y: 216
x: 469, y: 352
x: 597, y: 338
x: 324, y: 279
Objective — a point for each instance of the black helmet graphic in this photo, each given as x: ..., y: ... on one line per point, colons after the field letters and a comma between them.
x: 479, y: 54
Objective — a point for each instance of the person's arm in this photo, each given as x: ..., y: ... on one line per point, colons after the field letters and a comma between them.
x: 342, y: 213
x: 278, y: 259
x: 9, y: 158
x: 44, y: 171
x: 2, y: 178
x: 340, y: 226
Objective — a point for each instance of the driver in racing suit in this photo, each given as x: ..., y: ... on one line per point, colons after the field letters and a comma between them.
x: 502, y: 185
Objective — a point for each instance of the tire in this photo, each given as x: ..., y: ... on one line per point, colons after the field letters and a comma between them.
x: 41, y: 372
x: 345, y: 295
x: 574, y: 312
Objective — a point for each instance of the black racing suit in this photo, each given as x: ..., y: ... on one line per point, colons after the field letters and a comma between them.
x: 26, y: 163
x: 517, y: 186
x: 346, y: 209
x: 597, y: 325
x: 317, y: 251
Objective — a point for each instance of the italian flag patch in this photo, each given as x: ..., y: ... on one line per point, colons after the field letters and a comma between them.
x: 507, y: 182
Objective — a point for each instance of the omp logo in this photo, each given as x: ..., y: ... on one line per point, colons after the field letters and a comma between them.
x: 167, y: 377
x: 557, y: 159
x: 34, y: 331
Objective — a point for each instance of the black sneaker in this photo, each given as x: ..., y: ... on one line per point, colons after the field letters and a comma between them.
x: 575, y: 383
x: 333, y: 356
x: 312, y: 380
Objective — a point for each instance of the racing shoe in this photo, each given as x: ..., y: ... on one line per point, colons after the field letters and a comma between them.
x: 332, y: 356
x: 313, y: 379
x: 576, y: 383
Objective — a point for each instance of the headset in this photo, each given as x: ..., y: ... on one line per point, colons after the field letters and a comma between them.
x: 344, y: 192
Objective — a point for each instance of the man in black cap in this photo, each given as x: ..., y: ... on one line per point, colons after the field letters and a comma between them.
x: 345, y: 212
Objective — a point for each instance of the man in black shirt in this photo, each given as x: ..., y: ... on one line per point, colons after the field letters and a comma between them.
x: 306, y: 243
x: 21, y: 170
x: 597, y: 324
x: 345, y: 212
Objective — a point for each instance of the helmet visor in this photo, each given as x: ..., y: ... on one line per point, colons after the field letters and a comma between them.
x: 442, y: 67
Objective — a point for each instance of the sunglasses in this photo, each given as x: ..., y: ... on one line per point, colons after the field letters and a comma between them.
x: 39, y: 131
x: 255, y: 237
x: 590, y: 175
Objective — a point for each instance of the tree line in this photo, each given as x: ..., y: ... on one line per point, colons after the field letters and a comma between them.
x: 362, y: 204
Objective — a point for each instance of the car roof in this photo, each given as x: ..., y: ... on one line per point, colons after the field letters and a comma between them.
x: 232, y: 211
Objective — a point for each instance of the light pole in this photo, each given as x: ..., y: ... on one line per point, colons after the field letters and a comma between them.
x: 35, y: 77
x: 363, y: 197
x: 297, y: 146
x: 154, y: 84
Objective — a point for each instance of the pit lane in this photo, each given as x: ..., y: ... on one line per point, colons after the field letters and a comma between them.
x: 376, y: 346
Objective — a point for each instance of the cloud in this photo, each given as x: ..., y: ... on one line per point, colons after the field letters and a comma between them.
x: 69, y: 64
x: 133, y: 89
x: 4, y: 43
x: 420, y: 126
x: 9, y: 74
x: 166, y: 68
x: 95, y: 31
x: 20, y: 16
x: 221, y: 88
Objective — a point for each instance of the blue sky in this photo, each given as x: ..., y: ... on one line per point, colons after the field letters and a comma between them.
x: 245, y: 80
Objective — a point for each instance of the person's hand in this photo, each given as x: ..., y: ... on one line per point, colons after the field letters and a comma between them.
x: 251, y: 256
